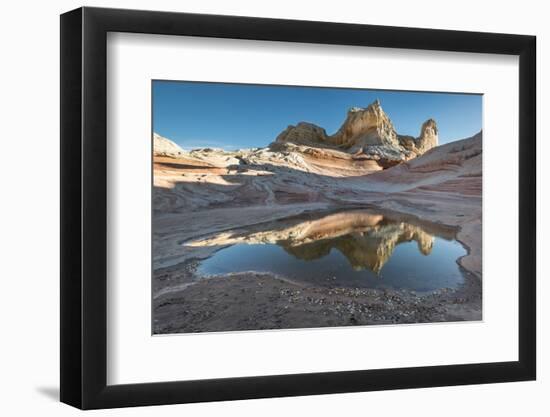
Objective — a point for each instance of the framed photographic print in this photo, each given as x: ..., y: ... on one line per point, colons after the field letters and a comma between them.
x: 257, y: 207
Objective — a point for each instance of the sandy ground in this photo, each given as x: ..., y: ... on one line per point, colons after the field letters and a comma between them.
x: 204, y: 194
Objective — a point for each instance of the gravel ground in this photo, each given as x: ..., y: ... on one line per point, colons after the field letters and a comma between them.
x: 253, y: 301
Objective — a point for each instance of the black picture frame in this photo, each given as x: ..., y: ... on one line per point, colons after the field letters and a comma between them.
x: 84, y: 207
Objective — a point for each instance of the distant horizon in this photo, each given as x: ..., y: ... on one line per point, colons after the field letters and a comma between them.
x: 237, y: 116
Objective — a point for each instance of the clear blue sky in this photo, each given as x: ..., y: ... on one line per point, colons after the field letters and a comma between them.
x: 233, y: 116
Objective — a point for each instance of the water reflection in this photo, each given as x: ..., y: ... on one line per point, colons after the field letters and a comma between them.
x: 353, y: 247
x: 368, y: 247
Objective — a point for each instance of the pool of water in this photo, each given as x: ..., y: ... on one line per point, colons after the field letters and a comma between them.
x: 353, y: 249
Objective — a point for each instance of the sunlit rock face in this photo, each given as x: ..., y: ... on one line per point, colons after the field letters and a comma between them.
x: 303, y: 134
x: 367, y: 133
x: 364, y: 127
x: 366, y: 240
x: 428, y: 138
x: 165, y: 147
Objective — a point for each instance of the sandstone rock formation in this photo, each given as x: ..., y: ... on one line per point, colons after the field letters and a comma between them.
x: 303, y: 134
x: 364, y: 127
x: 165, y: 147
x: 303, y: 174
x: 367, y: 133
x: 428, y: 136
x: 455, y: 167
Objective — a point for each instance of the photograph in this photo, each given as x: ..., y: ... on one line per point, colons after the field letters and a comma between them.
x: 268, y: 209
x: 295, y: 207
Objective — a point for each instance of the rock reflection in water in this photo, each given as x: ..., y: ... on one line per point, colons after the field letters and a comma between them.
x: 316, y: 244
x: 370, y: 248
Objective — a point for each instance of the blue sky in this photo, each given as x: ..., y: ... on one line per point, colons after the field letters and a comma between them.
x: 233, y: 116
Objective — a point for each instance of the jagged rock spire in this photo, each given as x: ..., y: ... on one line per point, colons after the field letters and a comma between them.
x: 428, y: 136
x: 366, y: 126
